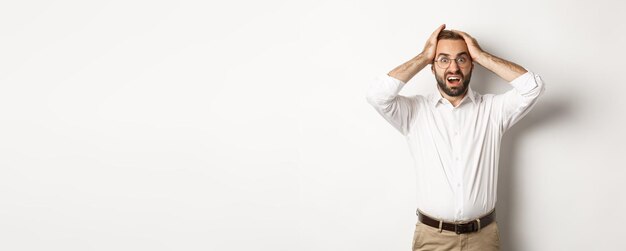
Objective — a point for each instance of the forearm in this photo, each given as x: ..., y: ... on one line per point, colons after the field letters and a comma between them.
x: 505, y: 69
x: 407, y: 70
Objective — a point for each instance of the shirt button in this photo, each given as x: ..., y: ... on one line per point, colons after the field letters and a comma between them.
x: 456, y: 158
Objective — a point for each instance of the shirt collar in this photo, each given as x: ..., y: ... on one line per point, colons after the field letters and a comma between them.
x: 436, y: 96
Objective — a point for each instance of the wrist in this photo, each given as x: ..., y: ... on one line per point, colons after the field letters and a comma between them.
x: 480, y: 57
x: 422, y: 60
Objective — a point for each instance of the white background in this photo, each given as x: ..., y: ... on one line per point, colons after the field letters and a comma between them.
x: 243, y: 125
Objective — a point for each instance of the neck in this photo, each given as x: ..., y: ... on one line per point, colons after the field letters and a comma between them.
x: 453, y: 100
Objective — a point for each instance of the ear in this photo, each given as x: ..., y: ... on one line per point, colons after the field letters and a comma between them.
x: 432, y: 67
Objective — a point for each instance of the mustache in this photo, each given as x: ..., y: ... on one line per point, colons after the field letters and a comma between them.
x: 458, y: 72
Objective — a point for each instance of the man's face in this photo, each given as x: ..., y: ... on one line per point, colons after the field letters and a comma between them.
x: 453, y: 80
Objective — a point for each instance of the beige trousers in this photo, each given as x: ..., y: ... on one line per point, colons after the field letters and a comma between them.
x: 427, y: 238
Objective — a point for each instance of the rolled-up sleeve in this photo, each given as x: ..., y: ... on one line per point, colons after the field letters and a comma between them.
x: 398, y: 110
x: 516, y: 103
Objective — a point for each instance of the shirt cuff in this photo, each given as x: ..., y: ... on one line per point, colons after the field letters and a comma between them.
x: 524, y: 83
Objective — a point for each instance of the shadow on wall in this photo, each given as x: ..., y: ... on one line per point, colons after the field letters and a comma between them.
x: 546, y: 111
x: 508, y: 214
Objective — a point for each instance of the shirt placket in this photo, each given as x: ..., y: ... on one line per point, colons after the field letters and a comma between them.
x: 456, y: 158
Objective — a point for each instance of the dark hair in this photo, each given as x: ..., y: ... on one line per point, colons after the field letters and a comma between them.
x: 448, y: 34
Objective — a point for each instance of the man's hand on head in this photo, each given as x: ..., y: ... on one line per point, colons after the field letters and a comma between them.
x: 503, y: 68
x: 472, y: 45
x: 431, y: 44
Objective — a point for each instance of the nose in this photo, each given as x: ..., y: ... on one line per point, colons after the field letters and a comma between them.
x: 453, y: 66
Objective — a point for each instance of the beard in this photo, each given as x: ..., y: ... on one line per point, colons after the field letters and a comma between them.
x: 455, y: 90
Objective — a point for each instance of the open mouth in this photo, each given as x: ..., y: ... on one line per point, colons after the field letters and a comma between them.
x: 454, y: 80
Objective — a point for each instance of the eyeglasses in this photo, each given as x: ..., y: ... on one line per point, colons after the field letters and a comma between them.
x: 444, y: 62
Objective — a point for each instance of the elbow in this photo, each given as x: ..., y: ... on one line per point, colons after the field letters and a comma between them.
x: 377, y: 101
x: 371, y: 99
x: 540, y: 84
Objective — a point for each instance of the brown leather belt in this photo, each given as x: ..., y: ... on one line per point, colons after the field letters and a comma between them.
x: 461, y: 227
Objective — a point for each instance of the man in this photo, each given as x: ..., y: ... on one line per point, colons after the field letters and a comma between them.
x: 454, y: 137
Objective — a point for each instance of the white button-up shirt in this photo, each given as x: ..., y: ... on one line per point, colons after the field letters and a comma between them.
x: 455, y: 149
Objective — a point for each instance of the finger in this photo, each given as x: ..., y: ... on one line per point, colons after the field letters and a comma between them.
x: 465, y: 36
x: 437, y: 31
x: 461, y: 33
